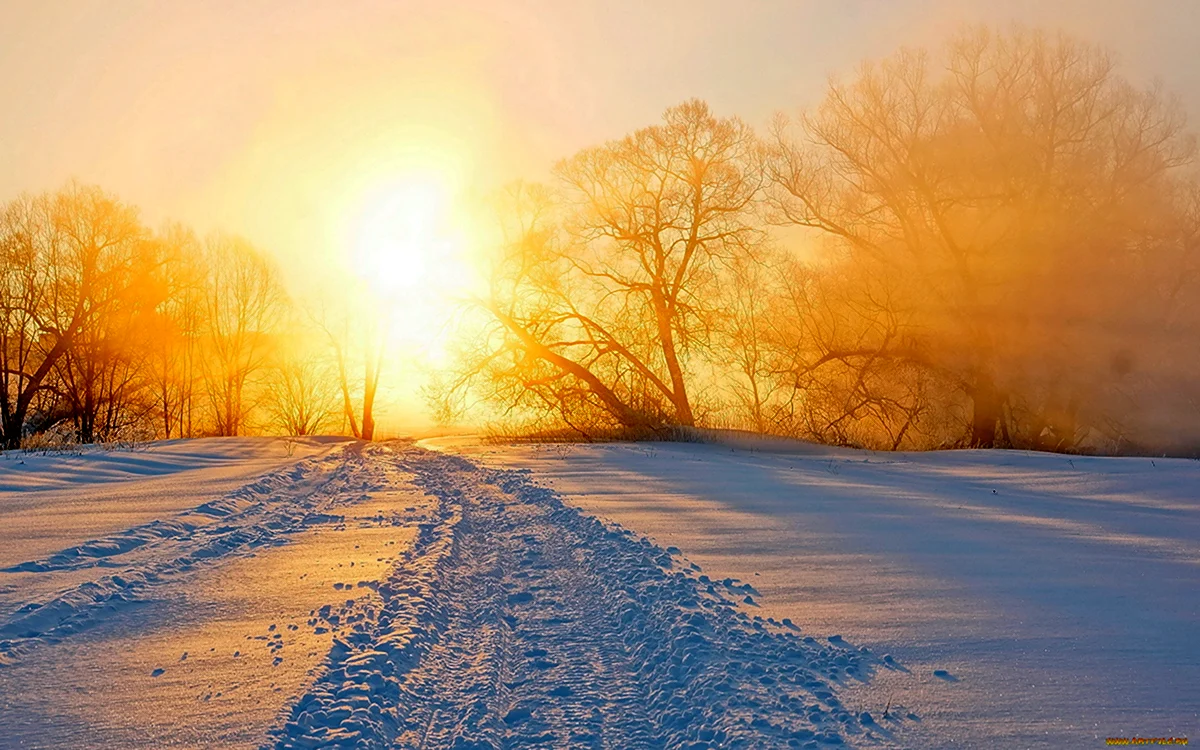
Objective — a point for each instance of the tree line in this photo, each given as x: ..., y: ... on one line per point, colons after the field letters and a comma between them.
x: 111, y: 331
x: 994, y: 243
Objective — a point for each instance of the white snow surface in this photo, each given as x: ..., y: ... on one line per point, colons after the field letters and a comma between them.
x: 50, y: 501
x: 1019, y: 599
x: 755, y: 594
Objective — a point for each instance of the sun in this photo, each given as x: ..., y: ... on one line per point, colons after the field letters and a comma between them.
x: 408, y: 248
x: 402, y: 240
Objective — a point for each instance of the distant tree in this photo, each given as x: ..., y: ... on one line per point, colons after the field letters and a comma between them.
x: 1002, y: 186
x: 847, y: 364
x: 372, y: 367
x: 363, y: 344
x: 175, y: 341
x: 747, y: 342
x: 606, y: 286
x: 244, y: 305
x: 299, y: 395
x: 65, y: 257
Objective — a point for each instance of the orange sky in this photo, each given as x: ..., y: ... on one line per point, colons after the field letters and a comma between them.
x: 276, y: 120
x: 168, y: 102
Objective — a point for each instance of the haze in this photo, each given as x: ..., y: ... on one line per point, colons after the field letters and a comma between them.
x: 290, y: 123
x: 625, y: 374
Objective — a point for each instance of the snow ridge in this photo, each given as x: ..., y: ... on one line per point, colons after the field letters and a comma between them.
x: 379, y: 638
x: 255, y: 515
x: 97, y: 552
x: 519, y: 621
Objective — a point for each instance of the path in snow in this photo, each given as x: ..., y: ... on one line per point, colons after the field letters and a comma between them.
x: 49, y: 502
x: 517, y: 621
x: 256, y: 515
x: 1060, y: 595
x: 199, y: 637
x: 387, y: 596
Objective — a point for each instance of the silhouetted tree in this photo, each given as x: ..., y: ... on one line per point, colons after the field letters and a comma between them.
x: 245, y: 303
x: 1003, y: 185
x: 607, y: 283
x: 175, y: 349
x: 363, y: 344
x: 67, y: 256
x: 300, y: 397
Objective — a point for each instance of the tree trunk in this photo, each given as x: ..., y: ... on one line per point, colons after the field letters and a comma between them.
x: 370, y: 384
x: 988, y: 404
x: 347, y: 403
x: 620, y: 411
x: 12, y: 430
x: 679, y: 397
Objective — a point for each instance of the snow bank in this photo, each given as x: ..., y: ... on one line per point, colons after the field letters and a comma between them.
x: 1026, y: 600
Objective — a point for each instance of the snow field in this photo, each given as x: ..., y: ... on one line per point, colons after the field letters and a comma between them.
x: 518, y: 621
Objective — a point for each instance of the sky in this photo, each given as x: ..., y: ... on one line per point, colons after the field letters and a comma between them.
x: 232, y: 113
x: 287, y: 122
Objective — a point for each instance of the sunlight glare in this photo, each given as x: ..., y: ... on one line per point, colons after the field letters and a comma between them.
x: 400, y: 238
x: 409, y: 251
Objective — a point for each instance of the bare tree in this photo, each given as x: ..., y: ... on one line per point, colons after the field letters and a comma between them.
x: 300, y: 399
x: 986, y: 185
x: 174, y: 369
x: 605, y: 288
x: 244, y: 304
x: 748, y: 341
x: 352, y: 345
x: 64, y: 256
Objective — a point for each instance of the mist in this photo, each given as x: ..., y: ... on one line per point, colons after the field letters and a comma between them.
x: 912, y: 233
x: 998, y: 249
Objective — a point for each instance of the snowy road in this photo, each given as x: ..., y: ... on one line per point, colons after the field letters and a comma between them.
x: 384, y: 595
x: 516, y: 622
x: 193, y: 630
x: 1057, y: 597
x: 387, y: 596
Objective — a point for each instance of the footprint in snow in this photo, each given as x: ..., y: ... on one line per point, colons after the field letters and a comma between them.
x: 516, y: 716
x: 942, y: 674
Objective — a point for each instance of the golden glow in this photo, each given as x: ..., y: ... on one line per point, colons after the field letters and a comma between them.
x: 357, y: 190
x: 408, y: 248
x: 401, y: 243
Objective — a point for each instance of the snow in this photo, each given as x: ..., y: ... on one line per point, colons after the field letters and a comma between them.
x: 200, y: 638
x: 1026, y: 600
x: 48, y: 502
x: 516, y: 621
x: 752, y: 593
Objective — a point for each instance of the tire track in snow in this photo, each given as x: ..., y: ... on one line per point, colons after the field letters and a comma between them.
x: 259, y: 514
x: 519, y: 621
x: 354, y: 702
x: 527, y: 655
